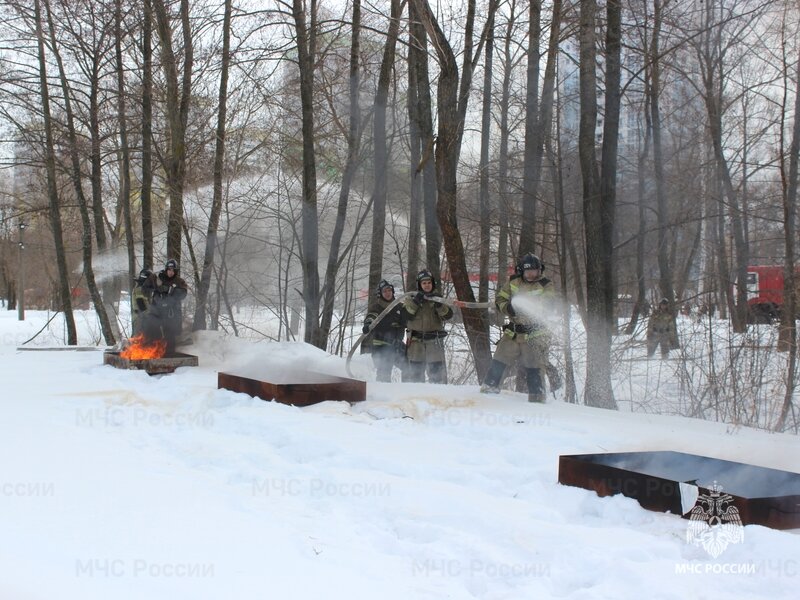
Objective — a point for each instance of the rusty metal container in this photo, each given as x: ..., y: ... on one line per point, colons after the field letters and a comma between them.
x: 153, y: 366
x: 659, y: 481
x: 299, y: 389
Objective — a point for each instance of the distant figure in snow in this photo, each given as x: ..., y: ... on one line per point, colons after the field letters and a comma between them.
x: 661, y: 330
x: 525, y: 337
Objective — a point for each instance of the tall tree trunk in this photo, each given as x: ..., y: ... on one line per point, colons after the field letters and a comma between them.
x: 147, y: 136
x: 433, y: 234
x: 415, y: 141
x: 540, y: 133
x: 641, y: 198
x: 219, y: 163
x: 711, y: 67
x: 177, y: 108
x: 502, y: 161
x: 381, y: 156
x: 75, y: 176
x: 95, y: 158
x: 310, y: 240
x: 570, y: 388
x: 530, y: 178
x: 598, y: 199
x: 662, y: 209
x: 664, y: 268
x: 452, y: 105
x: 788, y: 326
x: 125, y: 166
x: 52, y: 193
x: 483, y: 170
x: 353, y: 138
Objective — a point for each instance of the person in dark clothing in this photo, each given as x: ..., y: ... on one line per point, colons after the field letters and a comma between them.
x: 425, y: 322
x: 164, y: 318
x: 386, y: 341
x: 140, y: 301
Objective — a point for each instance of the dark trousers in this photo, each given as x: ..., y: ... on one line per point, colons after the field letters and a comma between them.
x: 383, y: 357
x: 415, y: 372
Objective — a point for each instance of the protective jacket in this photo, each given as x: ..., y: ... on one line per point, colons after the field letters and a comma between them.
x: 391, y: 329
x: 426, y: 320
x: 164, y: 318
x: 525, y: 336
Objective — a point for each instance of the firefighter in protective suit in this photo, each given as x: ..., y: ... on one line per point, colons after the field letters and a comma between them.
x: 525, y: 336
x: 425, y: 323
x: 164, y: 318
x: 386, y: 343
x: 140, y: 301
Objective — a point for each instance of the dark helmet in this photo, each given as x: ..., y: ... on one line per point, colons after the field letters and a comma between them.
x: 529, y: 261
x: 664, y: 302
x: 382, y: 286
x: 171, y: 264
x: 143, y: 275
x: 424, y: 274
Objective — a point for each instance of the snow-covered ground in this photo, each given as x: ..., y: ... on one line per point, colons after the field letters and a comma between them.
x: 117, y: 485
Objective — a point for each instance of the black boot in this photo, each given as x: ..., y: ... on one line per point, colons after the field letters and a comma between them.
x: 491, y: 383
x: 535, y: 388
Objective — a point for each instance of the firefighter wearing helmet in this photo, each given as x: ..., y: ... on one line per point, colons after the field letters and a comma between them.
x: 140, y: 300
x: 425, y: 322
x: 528, y: 301
x: 164, y: 318
x: 386, y: 341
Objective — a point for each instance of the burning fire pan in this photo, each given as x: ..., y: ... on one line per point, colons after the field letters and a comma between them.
x: 670, y: 481
x: 153, y: 366
x: 300, y: 389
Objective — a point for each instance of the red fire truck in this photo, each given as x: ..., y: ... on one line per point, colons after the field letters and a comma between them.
x: 765, y: 291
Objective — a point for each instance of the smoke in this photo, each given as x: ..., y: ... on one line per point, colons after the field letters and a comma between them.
x: 543, y: 311
x: 108, y: 265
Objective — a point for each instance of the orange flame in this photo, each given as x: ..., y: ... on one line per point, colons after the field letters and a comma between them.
x: 139, y: 349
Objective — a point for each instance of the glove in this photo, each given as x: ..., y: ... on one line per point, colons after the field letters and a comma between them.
x: 510, y: 310
x: 419, y: 298
x: 365, y: 328
x: 140, y: 304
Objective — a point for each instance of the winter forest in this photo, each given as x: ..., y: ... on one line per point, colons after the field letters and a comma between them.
x: 292, y: 154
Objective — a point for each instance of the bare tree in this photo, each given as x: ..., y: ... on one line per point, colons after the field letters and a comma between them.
x: 599, y: 197
x: 379, y: 148
x: 177, y: 107
x: 538, y: 117
x: 415, y: 151
x: 418, y: 51
x: 75, y: 175
x: 451, y: 108
x: 52, y: 193
x: 124, y: 150
x: 711, y: 49
x: 219, y: 162
x: 147, y: 135
x: 306, y: 42
x: 483, y: 168
x: 502, y: 160
x: 788, y: 335
x: 353, y: 146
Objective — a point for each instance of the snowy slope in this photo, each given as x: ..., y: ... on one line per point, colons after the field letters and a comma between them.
x: 114, y: 484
